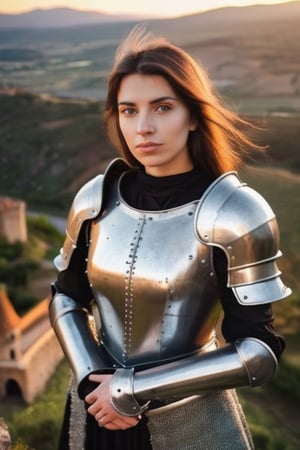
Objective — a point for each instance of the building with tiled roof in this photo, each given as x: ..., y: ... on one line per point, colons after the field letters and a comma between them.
x: 29, y: 351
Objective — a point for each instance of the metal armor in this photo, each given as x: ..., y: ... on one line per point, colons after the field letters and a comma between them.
x: 237, y: 219
x: 156, y: 291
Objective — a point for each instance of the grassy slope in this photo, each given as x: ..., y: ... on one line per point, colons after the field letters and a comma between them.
x: 45, y: 145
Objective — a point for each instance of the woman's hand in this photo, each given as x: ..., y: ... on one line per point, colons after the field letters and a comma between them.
x: 102, y: 409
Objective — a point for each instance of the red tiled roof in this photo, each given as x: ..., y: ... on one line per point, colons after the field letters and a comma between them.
x: 9, y: 319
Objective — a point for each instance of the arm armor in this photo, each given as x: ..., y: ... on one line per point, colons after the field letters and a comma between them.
x: 247, y: 362
x: 237, y: 219
x: 70, y: 321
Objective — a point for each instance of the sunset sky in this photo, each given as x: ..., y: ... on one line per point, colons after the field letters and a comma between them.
x: 152, y: 7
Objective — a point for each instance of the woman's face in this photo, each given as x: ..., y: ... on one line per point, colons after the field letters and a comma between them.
x: 155, y: 124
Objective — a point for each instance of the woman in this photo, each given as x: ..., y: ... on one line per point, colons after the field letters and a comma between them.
x: 156, y: 248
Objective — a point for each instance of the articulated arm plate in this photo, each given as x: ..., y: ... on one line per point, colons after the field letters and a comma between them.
x: 246, y: 362
x: 71, y: 324
x: 237, y: 219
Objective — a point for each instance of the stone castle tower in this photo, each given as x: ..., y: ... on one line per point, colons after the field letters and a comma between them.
x: 13, y: 220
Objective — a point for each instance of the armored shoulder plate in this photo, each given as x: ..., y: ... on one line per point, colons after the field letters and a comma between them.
x: 237, y: 219
x: 86, y: 206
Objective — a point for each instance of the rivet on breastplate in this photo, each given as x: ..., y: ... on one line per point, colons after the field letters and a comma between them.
x: 93, y: 212
x: 91, y: 284
x: 117, y: 203
x: 190, y: 257
x: 190, y: 213
x: 150, y: 218
x: 205, y: 237
x: 203, y: 261
x: 211, y: 274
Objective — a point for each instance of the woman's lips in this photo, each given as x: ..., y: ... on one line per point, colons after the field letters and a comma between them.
x: 148, y: 146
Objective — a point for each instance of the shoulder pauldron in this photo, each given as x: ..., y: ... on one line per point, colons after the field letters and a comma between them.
x: 237, y: 219
x: 86, y: 205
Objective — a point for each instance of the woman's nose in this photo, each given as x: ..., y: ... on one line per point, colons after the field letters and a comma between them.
x: 145, y: 125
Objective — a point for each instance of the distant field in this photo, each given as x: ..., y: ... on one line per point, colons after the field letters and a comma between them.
x: 251, y: 54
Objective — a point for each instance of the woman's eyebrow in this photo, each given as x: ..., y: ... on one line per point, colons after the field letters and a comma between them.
x: 162, y: 99
x: 152, y: 102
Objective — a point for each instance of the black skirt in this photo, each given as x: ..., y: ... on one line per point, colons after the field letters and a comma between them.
x: 97, y: 438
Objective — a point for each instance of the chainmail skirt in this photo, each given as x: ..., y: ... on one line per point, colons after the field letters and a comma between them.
x: 213, y: 421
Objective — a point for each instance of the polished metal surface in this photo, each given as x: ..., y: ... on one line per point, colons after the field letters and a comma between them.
x: 86, y: 206
x: 237, y: 219
x: 71, y: 325
x: 122, y: 398
x: 248, y: 361
x: 153, y: 281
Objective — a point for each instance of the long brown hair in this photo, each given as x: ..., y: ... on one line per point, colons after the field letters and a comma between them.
x: 217, y: 145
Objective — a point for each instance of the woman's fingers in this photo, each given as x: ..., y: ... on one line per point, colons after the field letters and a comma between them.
x: 102, y: 409
x: 117, y: 424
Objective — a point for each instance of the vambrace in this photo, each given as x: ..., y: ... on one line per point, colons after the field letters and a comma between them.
x: 246, y: 362
x: 70, y: 322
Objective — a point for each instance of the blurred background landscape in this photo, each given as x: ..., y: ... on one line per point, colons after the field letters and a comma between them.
x: 53, y: 69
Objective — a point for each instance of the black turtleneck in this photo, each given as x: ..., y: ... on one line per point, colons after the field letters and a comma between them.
x: 146, y: 192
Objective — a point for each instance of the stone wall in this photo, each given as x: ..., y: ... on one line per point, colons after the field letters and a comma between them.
x: 32, y: 372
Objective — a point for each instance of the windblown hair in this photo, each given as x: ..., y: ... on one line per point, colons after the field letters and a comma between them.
x: 217, y: 145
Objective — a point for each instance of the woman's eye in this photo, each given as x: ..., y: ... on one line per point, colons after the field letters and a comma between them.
x: 128, y: 111
x: 164, y: 108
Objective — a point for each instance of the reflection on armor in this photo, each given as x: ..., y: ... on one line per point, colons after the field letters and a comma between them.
x: 86, y: 206
x: 152, y: 304
x: 71, y: 324
x: 248, y: 361
x: 237, y: 219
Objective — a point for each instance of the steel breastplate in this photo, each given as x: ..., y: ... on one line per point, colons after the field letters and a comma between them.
x: 153, y: 282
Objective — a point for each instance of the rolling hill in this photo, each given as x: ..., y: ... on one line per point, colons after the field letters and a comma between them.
x: 250, y: 52
x: 60, y: 17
